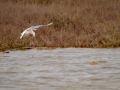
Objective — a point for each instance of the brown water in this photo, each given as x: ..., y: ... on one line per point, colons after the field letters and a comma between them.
x: 60, y: 69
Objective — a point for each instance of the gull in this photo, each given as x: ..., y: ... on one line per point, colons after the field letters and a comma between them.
x: 30, y: 30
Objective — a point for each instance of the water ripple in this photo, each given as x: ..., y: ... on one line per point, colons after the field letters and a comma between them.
x: 60, y: 69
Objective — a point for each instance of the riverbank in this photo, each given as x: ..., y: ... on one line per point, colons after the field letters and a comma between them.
x: 80, y: 23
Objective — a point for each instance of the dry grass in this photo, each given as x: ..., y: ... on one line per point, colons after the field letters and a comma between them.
x: 77, y: 23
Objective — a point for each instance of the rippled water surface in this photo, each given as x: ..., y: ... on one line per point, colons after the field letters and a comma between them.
x: 60, y: 69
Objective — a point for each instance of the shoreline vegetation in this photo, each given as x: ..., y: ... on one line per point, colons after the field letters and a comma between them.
x: 76, y: 23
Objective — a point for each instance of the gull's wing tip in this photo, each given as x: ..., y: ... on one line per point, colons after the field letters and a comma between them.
x: 20, y: 37
x: 50, y: 23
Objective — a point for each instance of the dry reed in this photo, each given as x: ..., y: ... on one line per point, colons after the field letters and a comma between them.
x: 77, y: 23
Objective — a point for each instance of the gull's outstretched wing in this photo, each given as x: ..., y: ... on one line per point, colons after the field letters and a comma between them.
x: 49, y: 24
x: 38, y: 26
x: 22, y: 34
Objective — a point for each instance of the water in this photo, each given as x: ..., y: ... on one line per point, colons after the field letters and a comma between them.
x: 60, y: 69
